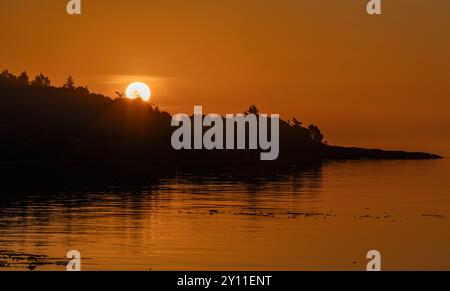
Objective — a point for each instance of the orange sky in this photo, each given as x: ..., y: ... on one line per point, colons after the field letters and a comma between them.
x: 374, y: 81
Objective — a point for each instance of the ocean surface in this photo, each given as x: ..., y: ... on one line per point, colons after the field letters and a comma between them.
x: 321, y: 217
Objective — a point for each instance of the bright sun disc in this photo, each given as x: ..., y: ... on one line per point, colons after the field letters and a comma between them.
x: 138, y: 90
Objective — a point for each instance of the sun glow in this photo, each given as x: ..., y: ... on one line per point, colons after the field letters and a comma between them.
x: 138, y: 90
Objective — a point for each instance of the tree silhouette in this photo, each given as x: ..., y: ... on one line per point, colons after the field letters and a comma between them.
x: 252, y: 110
x: 315, y: 133
x: 82, y: 90
x: 70, y: 83
x: 4, y: 74
x: 7, y: 78
x: 23, y: 79
x: 295, y: 122
x: 41, y: 81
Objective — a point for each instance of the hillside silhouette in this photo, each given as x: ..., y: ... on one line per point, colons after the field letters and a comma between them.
x: 42, y: 123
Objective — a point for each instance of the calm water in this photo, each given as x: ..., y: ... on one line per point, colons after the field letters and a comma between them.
x: 322, y: 217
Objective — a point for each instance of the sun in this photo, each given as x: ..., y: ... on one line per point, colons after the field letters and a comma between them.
x: 138, y: 90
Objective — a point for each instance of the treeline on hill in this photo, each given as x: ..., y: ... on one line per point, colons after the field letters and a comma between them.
x: 40, y: 122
